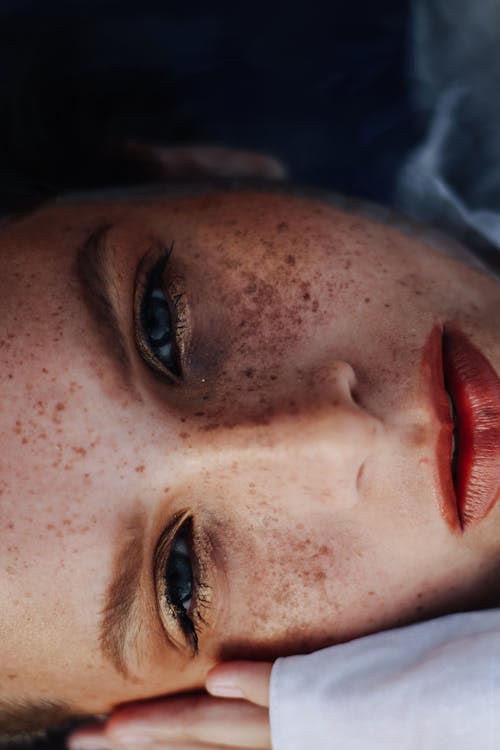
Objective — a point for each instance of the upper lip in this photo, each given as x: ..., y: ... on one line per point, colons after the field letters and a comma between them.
x: 474, y: 389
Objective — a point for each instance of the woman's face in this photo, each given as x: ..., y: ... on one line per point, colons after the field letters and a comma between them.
x: 233, y: 396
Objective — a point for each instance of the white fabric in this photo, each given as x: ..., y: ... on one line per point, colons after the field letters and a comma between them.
x: 430, y: 686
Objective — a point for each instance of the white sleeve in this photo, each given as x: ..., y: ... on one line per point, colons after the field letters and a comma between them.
x: 429, y: 686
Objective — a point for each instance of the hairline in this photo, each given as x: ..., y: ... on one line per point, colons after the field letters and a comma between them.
x: 471, y: 247
x: 23, y: 720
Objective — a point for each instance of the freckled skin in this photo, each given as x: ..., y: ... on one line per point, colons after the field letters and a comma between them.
x: 303, y: 432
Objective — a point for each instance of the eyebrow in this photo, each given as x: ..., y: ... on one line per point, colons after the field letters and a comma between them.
x: 120, y: 625
x: 96, y: 284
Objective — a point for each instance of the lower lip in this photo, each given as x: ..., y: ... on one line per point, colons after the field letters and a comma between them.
x: 475, y: 390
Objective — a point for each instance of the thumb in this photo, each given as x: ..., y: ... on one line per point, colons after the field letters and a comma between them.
x: 241, y: 679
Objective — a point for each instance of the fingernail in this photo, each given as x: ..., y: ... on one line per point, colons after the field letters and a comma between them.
x: 132, y: 738
x: 224, y: 689
x: 88, y: 743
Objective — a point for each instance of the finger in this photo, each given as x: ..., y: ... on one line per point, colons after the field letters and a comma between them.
x: 184, y: 746
x: 157, y: 745
x: 202, y: 719
x: 241, y: 679
x: 91, y: 737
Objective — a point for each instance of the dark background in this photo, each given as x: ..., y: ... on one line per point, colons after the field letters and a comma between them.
x: 323, y: 86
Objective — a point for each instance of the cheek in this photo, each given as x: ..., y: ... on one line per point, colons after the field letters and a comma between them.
x: 300, y: 588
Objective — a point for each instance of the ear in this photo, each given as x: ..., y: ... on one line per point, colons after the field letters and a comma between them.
x: 188, y: 162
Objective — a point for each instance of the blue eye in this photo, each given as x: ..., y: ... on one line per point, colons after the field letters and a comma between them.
x: 157, y: 330
x: 179, y: 582
x: 179, y: 574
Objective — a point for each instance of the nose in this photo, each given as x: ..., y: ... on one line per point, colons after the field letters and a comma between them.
x: 318, y: 436
x: 328, y: 426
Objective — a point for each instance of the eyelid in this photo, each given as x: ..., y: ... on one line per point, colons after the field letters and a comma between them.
x: 202, y: 564
x: 154, y: 265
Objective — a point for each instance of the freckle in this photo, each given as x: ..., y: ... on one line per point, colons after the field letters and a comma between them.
x: 367, y: 299
x: 166, y: 490
x: 249, y: 373
x: 79, y: 450
x: 66, y: 522
x: 140, y: 469
x: 60, y: 406
x: 282, y: 226
x: 290, y: 260
x: 50, y: 527
x: 185, y: 435
x: 199, y: 414
x: 11, y: 525
x: 24, y: 441
x: 315, y: 305
x: 11, y: 676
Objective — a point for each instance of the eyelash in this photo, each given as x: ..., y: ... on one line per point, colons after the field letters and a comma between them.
x: 190, y: 624
x: 149, y: 278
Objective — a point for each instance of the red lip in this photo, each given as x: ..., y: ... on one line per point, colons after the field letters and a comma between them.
x: 455, y: 366
x: 452, y: 364
x: 474, y: 388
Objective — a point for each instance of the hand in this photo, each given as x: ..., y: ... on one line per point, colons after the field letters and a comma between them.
x: 235, y: 715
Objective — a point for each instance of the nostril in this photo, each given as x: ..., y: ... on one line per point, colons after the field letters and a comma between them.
x: 355, y: 396
x: 360, y: 475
